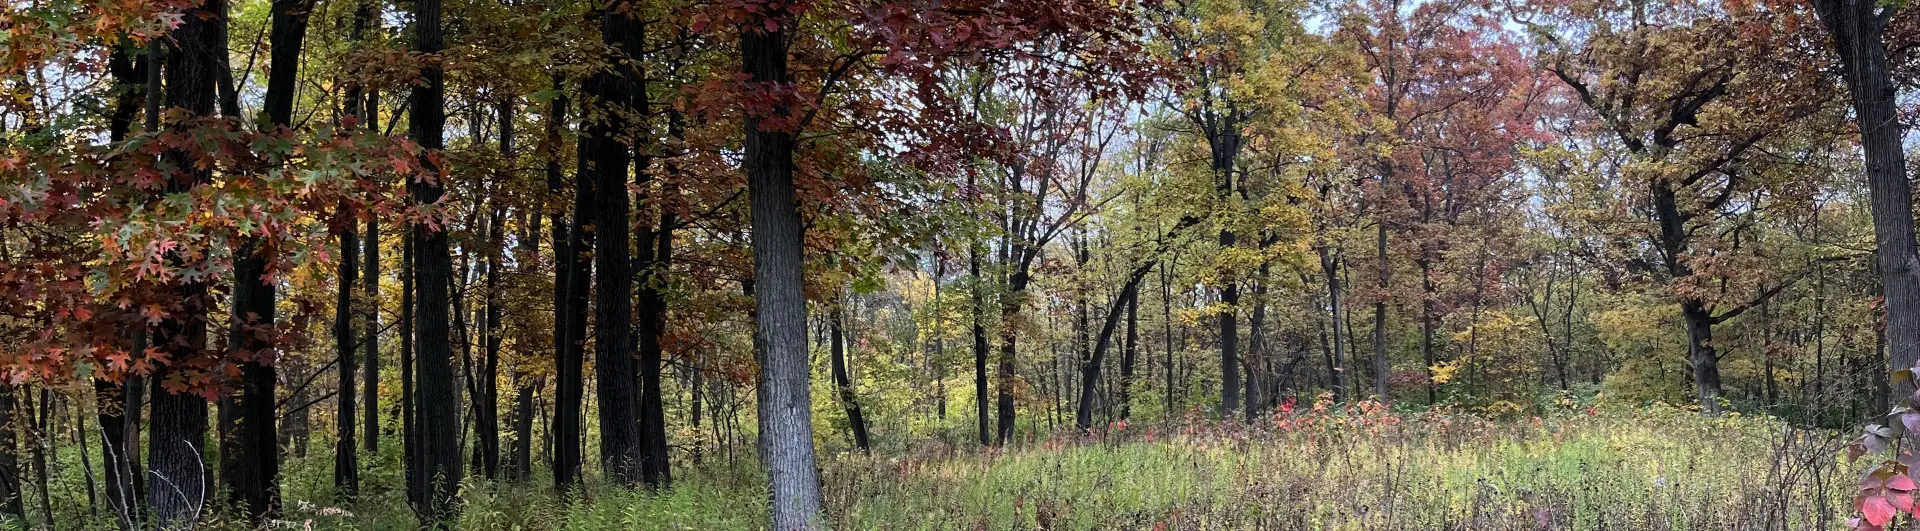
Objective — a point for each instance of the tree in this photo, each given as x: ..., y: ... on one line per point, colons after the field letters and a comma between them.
x: 180, y: 479
x: 1858, y: 30
x: 1695, y: 134
x: 439, y: 453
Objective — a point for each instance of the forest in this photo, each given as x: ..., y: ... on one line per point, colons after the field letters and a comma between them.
x: 958, y: 264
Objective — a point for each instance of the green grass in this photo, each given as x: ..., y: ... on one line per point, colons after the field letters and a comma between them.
x: 1653, y: 468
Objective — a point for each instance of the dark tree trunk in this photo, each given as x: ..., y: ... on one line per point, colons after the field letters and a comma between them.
x: 346, y: 459
x: 1090, y: 370
x: 1428, y: 293
x: 1380, y: 319
x: 41, y: 442
x: 655, y: 470
x: 777, y: 263
x: 409, y: 416
x: 978, y: 311
x: 438, y: 423
x: 1129, y: 355
x: 1702, y: 356
x: 569, y: 306
x: 180, y: 475
x: 523, y: 411
x: 1330, y: 266
x: 1166, y: 321
x: 487, y: 412
x: 843, y: 382
x: 250, y: 461
x: 370, y: 389
x: 118, y: 451
x: 1010, y: 307
x: 606, y: 162
x: 1256, y: 343
x: 11, y: 502
x: 1857, y: 27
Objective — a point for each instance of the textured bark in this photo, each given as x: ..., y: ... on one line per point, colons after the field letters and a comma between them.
x: 570, y: 309
x: 250, y: 457
x: 781, y: 309
x: 439, y: 451
x: 180, y: 478
x: 606, y: 163
x: 1857, y: 27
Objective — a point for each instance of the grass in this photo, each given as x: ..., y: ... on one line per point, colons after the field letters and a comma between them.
x: 1366, y: 469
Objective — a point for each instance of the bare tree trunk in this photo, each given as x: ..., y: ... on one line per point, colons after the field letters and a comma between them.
x: 438, y: 422
x: 781, y: 312
x: 1857, y: 27
x: 605, y: 205
x: 346, y: 460
x: 844, y: 382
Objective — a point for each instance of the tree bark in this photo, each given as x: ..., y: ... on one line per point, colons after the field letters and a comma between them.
x: 439, y: 450
x: 180, y: 477
x: 1857, y: 27
x: 777, y: 263
x: 606, y: 163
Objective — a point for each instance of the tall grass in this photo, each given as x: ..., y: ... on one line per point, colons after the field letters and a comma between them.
x: 1365, y: 468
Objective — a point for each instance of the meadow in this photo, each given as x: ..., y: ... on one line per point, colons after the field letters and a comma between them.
x: 1314, y: 468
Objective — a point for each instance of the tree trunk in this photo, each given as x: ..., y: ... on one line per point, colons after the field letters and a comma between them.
x: 1701, y: 355
x: 487, y: 412
x: 778, y: 267
x: 1090, y: 370
x: 1010, y: 307
x: 179, y: 430
x: 979, y: 310
x: 843, y: 382
x: 1330, y: 266
x: 118, y: 452
x: 409, y: 416
x: 11, y: 502
x: 1857, y: 27
x: 1256, y: 343
x: 1130, y: 355
x: 370, y: 389
x: 439, y: 450
x: 370, y: 110
x: 1380, y: 320
x: 605, y: 163
x: 346, y: 460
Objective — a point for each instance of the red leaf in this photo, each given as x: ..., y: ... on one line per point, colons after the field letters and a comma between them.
x: 1900, y: 482
x: 1877, y: 510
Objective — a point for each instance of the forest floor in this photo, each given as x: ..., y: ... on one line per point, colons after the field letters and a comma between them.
x: 1367, y: 468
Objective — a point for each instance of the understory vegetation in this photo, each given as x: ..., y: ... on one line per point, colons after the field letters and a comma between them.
x: 1365, y: 467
